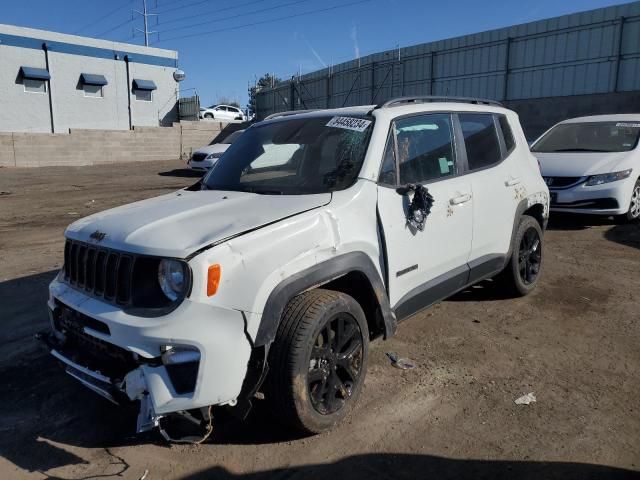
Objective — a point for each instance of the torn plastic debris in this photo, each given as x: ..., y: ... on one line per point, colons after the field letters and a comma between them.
x: 525, y: 399
x: 401, y: 363
x: 135, y: 387
x: 196, y: 431
x: 420, y: 206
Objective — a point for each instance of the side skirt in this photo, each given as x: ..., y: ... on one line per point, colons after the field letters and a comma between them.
x: 448, y: 284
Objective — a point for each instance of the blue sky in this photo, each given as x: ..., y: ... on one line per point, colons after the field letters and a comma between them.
x: 220, y: 59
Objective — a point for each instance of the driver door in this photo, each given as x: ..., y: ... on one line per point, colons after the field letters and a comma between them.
x: 425, y: 266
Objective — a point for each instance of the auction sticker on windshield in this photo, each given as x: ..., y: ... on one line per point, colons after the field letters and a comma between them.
x: 349, y: 123
x: 628, y: 125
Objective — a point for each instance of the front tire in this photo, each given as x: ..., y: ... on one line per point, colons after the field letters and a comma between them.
x: 209, y: 116
x: 521, y: 275
x: 633, y: 214
x: 318, y: 361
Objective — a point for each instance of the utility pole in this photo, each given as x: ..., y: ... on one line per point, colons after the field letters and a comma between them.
x: 145, y: 15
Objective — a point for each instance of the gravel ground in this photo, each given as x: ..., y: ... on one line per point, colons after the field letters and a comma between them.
x: 573, y: 342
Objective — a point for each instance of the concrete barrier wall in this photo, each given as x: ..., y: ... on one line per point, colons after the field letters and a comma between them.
x: 93, y: 147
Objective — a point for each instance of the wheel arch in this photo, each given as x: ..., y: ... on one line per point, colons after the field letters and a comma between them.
x: 532, y: 209
x: 352, y: 273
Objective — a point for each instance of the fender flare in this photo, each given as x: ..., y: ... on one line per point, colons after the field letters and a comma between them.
x: 316, y: 276
x: 522, y: 207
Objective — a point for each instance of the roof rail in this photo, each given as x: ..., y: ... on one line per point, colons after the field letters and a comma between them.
x: 432, y: 98
x: 288, y: 113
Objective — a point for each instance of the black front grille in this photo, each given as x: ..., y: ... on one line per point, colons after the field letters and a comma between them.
x: 99, y: 271
x: 198, y: 157
x: 561, y: 182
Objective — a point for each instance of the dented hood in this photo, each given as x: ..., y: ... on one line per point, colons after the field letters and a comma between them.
x: 179, y: 223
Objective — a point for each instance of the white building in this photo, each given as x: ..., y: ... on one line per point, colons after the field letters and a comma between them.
x: 51, y: 82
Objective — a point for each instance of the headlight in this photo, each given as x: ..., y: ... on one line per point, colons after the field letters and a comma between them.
x: 607, y: 178
x: 214, y: 155
x: 171, y: 277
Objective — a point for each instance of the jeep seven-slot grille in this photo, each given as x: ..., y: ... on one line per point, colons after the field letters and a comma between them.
x: 99, y: 271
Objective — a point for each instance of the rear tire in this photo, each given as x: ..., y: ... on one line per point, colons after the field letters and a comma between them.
x: 318, y: 361
x: 521, y: 275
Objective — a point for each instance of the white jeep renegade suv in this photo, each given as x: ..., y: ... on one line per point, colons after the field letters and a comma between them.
x: 314, y: 234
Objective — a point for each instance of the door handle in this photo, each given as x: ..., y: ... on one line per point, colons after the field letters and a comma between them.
x: 460, y: 199
x: 512, y: 181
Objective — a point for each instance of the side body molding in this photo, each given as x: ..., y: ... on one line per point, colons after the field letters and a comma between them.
x: 316, y: 276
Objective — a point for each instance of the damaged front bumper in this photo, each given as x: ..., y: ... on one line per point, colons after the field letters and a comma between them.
x: 189, y: 359
x: 131, y: 388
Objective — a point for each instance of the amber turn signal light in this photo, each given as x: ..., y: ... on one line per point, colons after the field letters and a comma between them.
x: 213, y: 279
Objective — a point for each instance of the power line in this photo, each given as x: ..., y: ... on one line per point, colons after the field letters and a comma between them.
x: 193, y: 4
x: 188, y: 17
x: 103, y: 17
x: 115, y: 28
x: 169, y: 3
x: 320, y: 10
x: 234, y: 16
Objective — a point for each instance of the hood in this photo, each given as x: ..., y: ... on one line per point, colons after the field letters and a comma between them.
x: 582, y: 164
x: 180, y: 223
x: 215, y: 148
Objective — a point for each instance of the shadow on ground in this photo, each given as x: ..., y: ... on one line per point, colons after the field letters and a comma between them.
x: 628, y: 234
x: 413, y: 467
x: 575, y: 221
x: 487, y: 290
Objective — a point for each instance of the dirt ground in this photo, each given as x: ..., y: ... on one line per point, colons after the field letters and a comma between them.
x: 574, y: 342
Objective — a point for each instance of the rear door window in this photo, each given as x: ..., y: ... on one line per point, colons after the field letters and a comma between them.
x: 480, y: 139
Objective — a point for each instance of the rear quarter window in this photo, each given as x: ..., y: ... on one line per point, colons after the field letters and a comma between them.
x: 507, y: 134
x: 480, y: 139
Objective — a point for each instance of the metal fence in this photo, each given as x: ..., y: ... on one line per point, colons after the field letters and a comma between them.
x: 189, y: 108
x: 584, y: 53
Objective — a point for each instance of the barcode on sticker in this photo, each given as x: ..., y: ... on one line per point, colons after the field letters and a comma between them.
x: 349, y: 123
x: 628, y: 125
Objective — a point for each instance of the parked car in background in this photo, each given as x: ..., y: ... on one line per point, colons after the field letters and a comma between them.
x: 592, y: 165
x: 315, y: 233
x: 206, y: 157
x: 223, y: 113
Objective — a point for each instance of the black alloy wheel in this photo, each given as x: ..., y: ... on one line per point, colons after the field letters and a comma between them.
x: 529, y: 256
x: 335, y: 365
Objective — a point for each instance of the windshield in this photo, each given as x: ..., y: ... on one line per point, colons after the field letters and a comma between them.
x: 590, y: 137
x: 294, y: 156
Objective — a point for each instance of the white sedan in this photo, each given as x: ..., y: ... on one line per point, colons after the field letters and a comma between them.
x: 206, y: 157
x: 225, y: 113
x: 592, y: 165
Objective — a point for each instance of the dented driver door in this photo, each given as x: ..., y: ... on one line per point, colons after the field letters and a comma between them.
x: 425, y: 265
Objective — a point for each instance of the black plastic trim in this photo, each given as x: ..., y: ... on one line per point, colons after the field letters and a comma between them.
x: 316, y: 276
x: 432, y: 291
x: 486, y: 267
